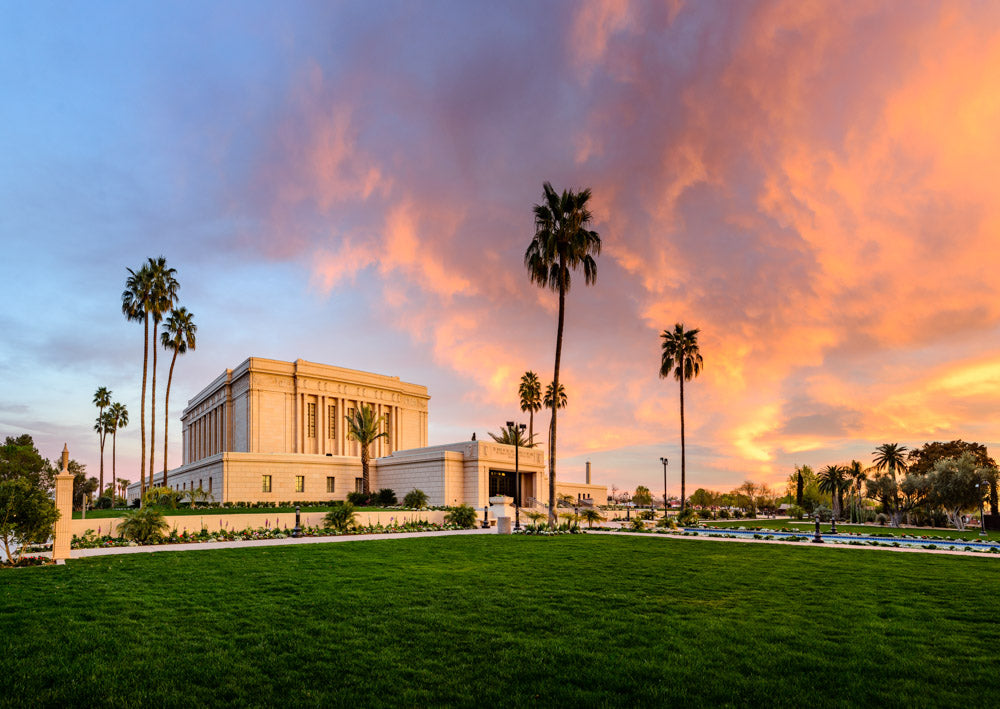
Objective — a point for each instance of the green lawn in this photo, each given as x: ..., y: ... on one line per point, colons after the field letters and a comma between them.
x: 972, y: 533
x: 205, y: 512
x: 488, y: 620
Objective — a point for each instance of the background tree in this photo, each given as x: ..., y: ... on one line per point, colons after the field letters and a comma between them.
x: 83, y: 487
x: 855, y: 475
x: 562, y: 243
x: 831, y: 481
x: 799, y: 487
x: 530, y: 391
x: 562, y: 399
x: 135, y: 306
x: 117, y: 420
x: 162, y: 299
x: 196, y: 495
x: 704, y: 498
x: 747, y: 494
x: 952, y: 485
x: 921, y: 460
x: 511, y: 436
x: 20, y: 459
x: 178, y: 335
x: 642, y: 496
x: 26, y: 515
x: 102, y: 400
x: 681, y: 358
x: 365, y: 428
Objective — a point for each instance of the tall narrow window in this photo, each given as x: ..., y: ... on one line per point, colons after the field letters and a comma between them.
x: 359, y: 484
x: 265, y: 483
x: 332, y: 432
x: 210, y: 484
x: 311, y: 420
x: 331, y: 484
x: 388, y: 429
x: 300, y: 483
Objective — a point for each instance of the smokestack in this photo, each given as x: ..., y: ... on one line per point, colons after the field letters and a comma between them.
x: 588, y: 472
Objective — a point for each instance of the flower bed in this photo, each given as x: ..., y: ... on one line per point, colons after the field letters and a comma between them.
x: 91, y: 540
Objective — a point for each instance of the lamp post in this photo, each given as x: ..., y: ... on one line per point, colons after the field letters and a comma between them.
x: 516, y: 430
x: 298, y: 527
x: 664, y: 461
x: 982, y: 494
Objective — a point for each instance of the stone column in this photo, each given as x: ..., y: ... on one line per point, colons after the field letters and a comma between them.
x: 63, y: 532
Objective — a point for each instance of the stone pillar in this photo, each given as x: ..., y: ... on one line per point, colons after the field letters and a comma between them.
x: 321, y: 424
x: 63, y: 532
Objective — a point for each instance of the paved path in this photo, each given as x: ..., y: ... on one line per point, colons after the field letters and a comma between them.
x: 195, y: 546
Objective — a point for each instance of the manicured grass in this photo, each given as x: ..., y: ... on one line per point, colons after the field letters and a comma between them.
x: 205, y: 511
x: 488, y: 620
x: 971, y: 533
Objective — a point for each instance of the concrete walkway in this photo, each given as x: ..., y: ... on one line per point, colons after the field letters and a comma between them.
x: 196, y: 546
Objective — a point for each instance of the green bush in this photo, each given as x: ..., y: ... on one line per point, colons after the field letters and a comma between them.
x: 416, y: 499
x: 723, y: 514
x: 687, y: 518
x: 796, y: 512
x: 359, y: 499
x: 463, y: 516
x: 704, y: 514
x: 824, y: 513
x: 341, y: 518
x: 386, y: 497
x: 667, y: 523
x: 646, y: 514
x: 103, y: 503
x: 882, y: 518
x: 143, y: 526
x: 637, y: 524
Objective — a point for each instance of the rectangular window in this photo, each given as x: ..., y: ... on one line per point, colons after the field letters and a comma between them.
x: 300, y: 483
x: 332, y: 433
x: 210, y: 484
x: 388, y: 430
x: 266, y: 483
x: 359, y: 484
x: 331, y: 484
x: 311, y: 420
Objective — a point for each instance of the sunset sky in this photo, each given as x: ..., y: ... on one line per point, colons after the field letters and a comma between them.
x: 814, y: 185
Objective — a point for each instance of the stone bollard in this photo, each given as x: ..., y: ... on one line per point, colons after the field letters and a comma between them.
x: 62, y: 534
x: 503, y: 525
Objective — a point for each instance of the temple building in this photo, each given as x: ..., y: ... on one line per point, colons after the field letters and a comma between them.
x: 276, y: 431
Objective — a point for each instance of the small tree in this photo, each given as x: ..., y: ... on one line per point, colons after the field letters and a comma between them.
x: 143, y: 526
x: 642, y: 496
x: 26, y: 515
x: 589, y: 515
x: 196, y: 495
x: 463, y: 516
x: 365, y: 428
x: 341, y: 518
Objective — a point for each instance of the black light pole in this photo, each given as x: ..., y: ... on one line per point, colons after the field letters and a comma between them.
x: 982, y: 494
x: 664, y: 461
x: 298, y: 528
x: 516, y: 430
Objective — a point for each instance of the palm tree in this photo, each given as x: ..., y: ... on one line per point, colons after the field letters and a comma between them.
x: 831, y: 480
x: 102, y: 400
x: 135, y: 307
x: 162, y: 300
x: 562, y: 400
x: 856, y: 475
x: 511, y: 436
x: 117, y: 419
x: 365, y: 428
x: 590, y: 515
x: 681, y: 358
x: 889, y: 457
x: 530, y: 392
x: 562, y: 243
x: 178, y: 335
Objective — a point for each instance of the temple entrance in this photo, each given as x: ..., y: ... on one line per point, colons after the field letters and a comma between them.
x: 504, y: 482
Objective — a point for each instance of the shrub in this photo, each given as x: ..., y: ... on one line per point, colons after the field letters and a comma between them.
x: 341, y: 518
x: 463, y: 516
x: 359, y: 499
x: 737, y: 514
x: 143, y: 526
x: 687, y: 518
x: 825, y: 513
x: 386, y: 497
x: 103, y: 503
x: 667, y: 523
x: 723, y: 514
x: 646, y: 514
x: 536, y: 516
x: 796, y: 512
x: 882, y: 518
x: 704, y: 514
x: 417, y: 499
x: 637, y: 524
x: 589, y: 515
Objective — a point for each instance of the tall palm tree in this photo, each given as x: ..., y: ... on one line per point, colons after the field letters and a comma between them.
x: 163, y: 298
x: 365, y: 428
x: 530, y: 392
x: 682, y: 358
x: 135, y: 306
x: 562, y: 400
x: 831, y: 480
x: 102, y: 400
x: 117, y: 419
x: 856, y: 475
x: 178, y: 335
x: 889, y: 456
x: 562, y: 243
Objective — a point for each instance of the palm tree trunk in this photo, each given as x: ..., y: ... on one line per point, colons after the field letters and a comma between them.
x: 683, y: 466
x: 142, y: 415
x: 103, y: 436
x: 531, y: 426
x: 555, y: 394
x: 365, y: 487
x: 114, y: 453
x: 166, y: 415
x: 152, y: 406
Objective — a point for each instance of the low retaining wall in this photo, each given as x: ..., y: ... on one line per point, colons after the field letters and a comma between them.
x: 212, y: 522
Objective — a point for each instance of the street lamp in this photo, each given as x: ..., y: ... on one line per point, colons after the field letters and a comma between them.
x: 664, y: 461
x: 982, y: 494
x: 516, y: 430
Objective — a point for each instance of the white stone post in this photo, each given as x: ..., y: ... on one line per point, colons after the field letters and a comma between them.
x: 63, y: 532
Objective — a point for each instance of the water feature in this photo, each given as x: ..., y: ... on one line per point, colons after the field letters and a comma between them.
x: 844, y: 538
